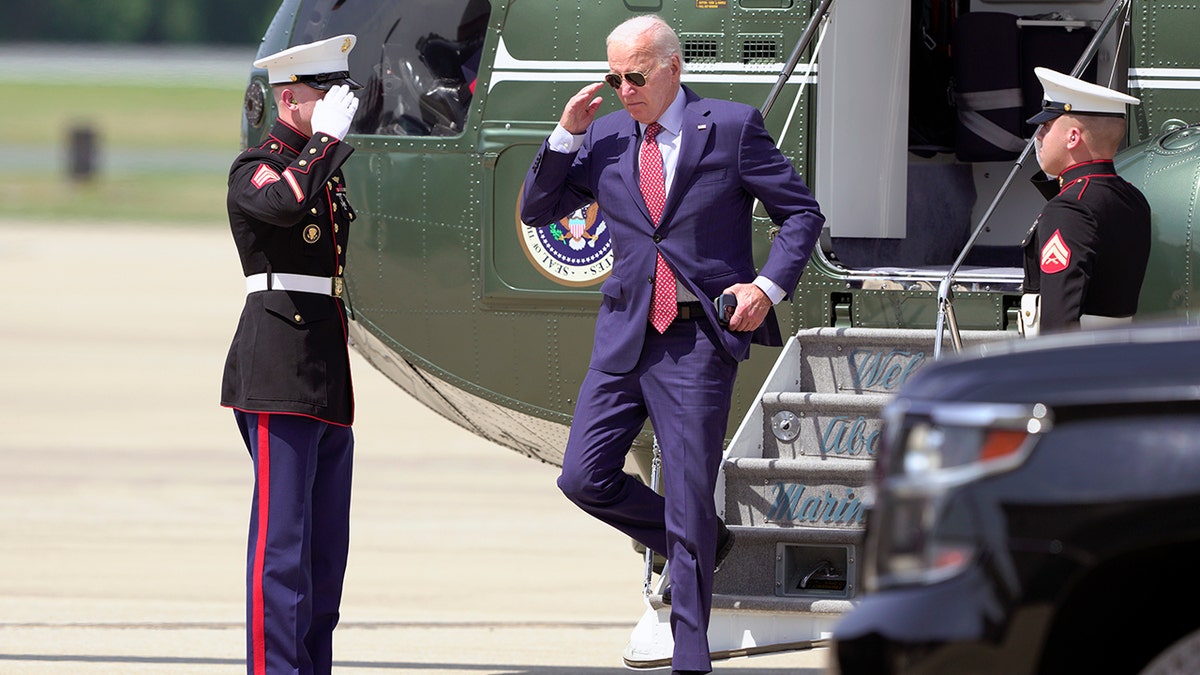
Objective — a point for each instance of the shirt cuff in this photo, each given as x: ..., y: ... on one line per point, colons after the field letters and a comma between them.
x: 564, y: 141
x: 772, y: 289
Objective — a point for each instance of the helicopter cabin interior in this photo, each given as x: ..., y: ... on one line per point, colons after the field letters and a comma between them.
x: 928, y: 121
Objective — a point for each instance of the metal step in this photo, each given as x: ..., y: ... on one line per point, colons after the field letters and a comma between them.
x: 806, y: 492
x: 766, y: 563
x: 829, y: 426
x: 773, y: 605
x: 767, y: 568
x: 867, y: 360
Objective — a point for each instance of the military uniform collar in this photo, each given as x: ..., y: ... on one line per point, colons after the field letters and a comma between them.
x: 288, y: 135
x: 1096, y: 167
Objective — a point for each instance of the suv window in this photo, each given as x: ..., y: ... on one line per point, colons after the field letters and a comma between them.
x: 417, y: 59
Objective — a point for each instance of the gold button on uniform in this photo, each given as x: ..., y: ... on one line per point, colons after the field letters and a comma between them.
x: 298, y: 318
x: 324, y: 139
x: 339, y: 249
x: 303, y: 162
x: 312, y: 151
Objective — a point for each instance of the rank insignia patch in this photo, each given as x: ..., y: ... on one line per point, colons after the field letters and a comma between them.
x: 312, y: 234
x: 1056, y: 256
x: 264, y: 177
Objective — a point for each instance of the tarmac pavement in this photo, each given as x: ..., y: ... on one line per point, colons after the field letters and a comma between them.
x: 125, y: 493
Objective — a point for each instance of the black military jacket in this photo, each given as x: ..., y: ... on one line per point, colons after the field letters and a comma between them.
x: 289, y: 214
x: 1087, y: 252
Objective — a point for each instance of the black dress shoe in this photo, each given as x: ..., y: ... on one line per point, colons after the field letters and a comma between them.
x: 724, y: 546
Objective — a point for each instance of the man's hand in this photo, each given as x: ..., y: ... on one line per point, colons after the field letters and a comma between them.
x: 581, y: 109
x: 333, y: 113
x: 752, y: 307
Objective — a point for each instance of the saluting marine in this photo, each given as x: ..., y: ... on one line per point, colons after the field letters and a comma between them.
x: 287, y: 375
x: 1086, y: 254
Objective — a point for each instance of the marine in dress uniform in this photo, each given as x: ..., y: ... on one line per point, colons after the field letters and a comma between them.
x: 287, y: 375
x: 1086, y: 254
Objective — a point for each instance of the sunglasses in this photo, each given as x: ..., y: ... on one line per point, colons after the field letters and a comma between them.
x: 635, y: 78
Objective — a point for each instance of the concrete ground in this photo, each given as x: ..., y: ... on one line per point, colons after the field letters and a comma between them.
x: 125, y: 493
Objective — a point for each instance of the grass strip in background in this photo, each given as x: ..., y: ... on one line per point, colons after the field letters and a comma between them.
x: 161, y: 198
x: 162, y: 152
x: 125, y: 116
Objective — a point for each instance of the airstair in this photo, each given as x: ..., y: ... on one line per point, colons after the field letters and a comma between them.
x: 794, y: 487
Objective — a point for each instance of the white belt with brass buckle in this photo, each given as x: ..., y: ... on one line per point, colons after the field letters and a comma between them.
x: 295, y: 282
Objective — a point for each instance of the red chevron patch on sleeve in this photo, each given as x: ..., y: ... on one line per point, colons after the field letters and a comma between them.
x: 1056, y: 255
x: 264, y: 177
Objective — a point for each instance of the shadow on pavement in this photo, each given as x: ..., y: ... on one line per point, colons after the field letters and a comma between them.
x: 398, y: 666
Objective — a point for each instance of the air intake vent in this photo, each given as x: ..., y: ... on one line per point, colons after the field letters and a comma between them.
x: 700, y: 50
x: 760, y: 50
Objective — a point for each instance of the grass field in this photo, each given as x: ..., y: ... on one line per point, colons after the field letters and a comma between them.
x: 183, y: 133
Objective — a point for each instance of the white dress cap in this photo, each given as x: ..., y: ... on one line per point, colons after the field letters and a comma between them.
x: 321, y: 64
x: 1065, y: 94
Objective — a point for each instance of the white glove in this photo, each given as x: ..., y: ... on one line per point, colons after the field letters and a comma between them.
x: 332, y: 114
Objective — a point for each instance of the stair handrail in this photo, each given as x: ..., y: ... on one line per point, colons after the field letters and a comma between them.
x: 945, y: 313
x: 809, y: 31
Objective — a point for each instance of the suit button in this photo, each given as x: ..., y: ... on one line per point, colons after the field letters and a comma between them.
x: 657, y: 238
x: 650, y: 279
x: 298, y: 318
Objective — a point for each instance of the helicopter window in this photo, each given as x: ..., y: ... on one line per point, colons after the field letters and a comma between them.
x: 416, y: 59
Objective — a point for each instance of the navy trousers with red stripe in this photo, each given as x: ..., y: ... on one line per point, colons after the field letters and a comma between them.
x: 298, y: 543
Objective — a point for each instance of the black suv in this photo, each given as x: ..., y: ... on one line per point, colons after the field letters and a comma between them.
x: 1038, y: 511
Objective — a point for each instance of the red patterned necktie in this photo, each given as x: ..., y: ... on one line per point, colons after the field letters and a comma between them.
x: 664, y: 306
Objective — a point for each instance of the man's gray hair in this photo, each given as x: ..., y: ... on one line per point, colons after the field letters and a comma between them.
x: 661, y: 38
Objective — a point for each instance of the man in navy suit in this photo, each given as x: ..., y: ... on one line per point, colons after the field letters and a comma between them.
x: 678, y: 208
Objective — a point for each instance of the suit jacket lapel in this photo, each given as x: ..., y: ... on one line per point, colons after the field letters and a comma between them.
x: 693, y: 139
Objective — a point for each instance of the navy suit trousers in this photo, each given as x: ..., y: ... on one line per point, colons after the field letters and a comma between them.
x: 683, y: 383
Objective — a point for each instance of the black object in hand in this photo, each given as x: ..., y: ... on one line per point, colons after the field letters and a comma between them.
x: 726, y: 304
